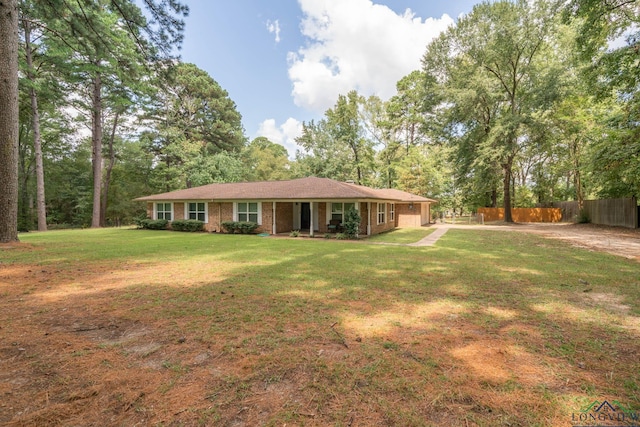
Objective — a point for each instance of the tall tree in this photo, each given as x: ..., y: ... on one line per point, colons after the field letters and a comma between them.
x: 266, y: 160
x: 9, y: 121
x: 338, y: 146
x: 497, y: 73
x: 380, y: 127
x: 29, y: 52
x: 192, y: 119
x: 321, y: 155
x: 111, y: 41
x: 609, y: 39
x: 407, y: 109
x: 345, y: 127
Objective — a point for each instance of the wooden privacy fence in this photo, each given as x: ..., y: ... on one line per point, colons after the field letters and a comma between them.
x: 523, y: 214
x: 615, y: 212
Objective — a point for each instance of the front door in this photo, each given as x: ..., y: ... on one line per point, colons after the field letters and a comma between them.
x: 305, y: 216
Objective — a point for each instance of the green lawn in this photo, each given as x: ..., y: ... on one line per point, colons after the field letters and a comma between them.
x: 484, y: 328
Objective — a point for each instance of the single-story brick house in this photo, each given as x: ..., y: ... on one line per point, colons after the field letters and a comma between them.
x: 309, y: 204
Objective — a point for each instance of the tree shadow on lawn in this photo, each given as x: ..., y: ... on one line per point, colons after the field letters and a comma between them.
x: 459, y: 333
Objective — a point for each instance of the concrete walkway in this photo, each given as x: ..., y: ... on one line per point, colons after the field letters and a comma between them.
x: 431, y: 239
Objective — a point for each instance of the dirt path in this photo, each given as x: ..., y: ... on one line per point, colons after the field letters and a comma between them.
x: 613, y: 240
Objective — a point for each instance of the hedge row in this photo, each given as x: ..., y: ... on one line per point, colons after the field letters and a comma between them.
x: 190, y: 225
x: 239, y: 227
x: 152, y: 224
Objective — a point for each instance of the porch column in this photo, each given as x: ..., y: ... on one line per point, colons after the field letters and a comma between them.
x: 311, y: 224
x: 273, y: 226
x: 368, y: 218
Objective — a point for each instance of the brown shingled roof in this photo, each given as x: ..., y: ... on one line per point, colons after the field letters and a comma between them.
x: 302, y: 188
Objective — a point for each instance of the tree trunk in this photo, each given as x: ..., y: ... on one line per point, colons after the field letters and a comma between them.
x: 577, y: 181
x: 24, y: 216
x: 8, y: 121
x: 96, y: 144
x: 412, y: 137
x: 107, y: 178
x: 37, y: 143
x: 358, y: 170
x: 507, y: 191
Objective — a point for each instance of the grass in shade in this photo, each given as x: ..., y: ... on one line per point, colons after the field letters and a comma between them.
x: 125, y: 327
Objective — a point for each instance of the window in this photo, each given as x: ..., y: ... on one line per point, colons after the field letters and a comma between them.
x: 197, y: 210
x: 163, y: 211
x: 382, y: 208
x: 336, y: 211
x: 249, y: 211
x: 339, y: 209
x: 392, y: 212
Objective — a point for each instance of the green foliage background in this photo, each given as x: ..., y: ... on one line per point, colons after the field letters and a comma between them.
x: 519, y: 102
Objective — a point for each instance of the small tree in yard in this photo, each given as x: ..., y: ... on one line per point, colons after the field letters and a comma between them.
x: 351, y: 224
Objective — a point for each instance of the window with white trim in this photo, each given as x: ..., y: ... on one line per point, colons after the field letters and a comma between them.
x: 392, y: 212
x: 338, y: 210
x: 382, y: 211
x: 164, y: 211
x: 248, y: 211
x: 197, y: 210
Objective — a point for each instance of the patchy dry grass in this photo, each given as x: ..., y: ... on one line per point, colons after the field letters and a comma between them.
x: 126, y: 327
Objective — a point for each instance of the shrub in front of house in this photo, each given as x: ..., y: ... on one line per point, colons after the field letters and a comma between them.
x: 239, y: 227
x: 139, y: 221
x: 229, y: 226
x: 153, y: 224
x: 190, y: 225
x: 351, y: 224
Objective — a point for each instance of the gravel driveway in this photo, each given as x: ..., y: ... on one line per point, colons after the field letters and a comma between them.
x: 614, y: 240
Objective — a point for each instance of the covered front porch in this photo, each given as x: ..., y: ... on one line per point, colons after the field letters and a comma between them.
x: 315, y: 217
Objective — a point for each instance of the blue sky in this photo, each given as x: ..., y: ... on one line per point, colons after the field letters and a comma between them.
x: 285, y: 61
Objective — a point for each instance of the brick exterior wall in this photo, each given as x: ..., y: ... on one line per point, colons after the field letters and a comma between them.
x: 212, y: 224
x: 267, y: 218
x: 178, y: 210
x: 363, y: 219
x: 226, y: 213
x: 284, y: 217
x: 387, y: 225
x: 219, y: 212
x: 322, y: 226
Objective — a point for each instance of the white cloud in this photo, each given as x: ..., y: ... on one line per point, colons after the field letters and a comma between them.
x: 285, y: 134
x: 355, y: 44
x: 274, y: 28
